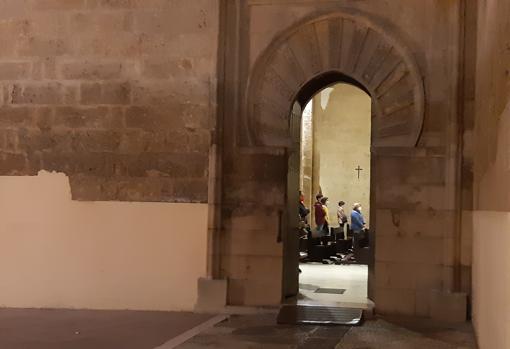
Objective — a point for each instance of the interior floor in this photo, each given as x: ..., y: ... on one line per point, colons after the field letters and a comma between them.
x: 97, y: 329
x: 261, y: 331
x: 332, y: 279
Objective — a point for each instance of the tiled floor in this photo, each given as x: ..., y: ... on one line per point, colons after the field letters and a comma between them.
x: 352, y: 278
x: 55, y: 329
x: 261, y: 331
x: 409, y: 333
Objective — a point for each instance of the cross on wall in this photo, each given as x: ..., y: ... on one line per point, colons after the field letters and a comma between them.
x: 359, y: 169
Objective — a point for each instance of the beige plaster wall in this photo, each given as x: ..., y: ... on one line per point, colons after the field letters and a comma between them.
x: 491, y: 243
x: 59, y: 253
x: 491, y: 279
x: 491, y: 219
x: 343, y: 115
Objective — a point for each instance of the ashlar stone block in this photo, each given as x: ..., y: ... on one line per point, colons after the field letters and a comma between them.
x: 446, y: 306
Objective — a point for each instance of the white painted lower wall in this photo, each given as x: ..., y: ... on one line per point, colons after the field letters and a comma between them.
x: 59, y: 253
x: 491, y: 279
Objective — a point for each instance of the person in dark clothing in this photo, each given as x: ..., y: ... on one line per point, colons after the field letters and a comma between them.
x: 303, y: 210
x: 320, y: 215
x: 324, y: 203
x: 303, y: 214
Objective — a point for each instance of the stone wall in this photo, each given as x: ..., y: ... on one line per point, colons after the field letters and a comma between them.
x: 467, y: 94
x: 414, y: 188
x: 491, y: 221
x: 119, y: 95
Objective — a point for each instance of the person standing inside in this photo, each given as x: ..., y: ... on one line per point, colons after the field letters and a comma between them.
x: 319, y: 213
x: 357, y: 225
x: 342, y: 218
x: 303, y: 210
x: 324, y: 203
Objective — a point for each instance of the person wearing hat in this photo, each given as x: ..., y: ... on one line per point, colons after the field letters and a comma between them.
x: 357, y: 224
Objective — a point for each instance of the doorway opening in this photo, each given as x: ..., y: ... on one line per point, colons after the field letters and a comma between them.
x: 332, y: 155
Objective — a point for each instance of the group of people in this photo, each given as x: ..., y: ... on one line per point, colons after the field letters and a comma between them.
x: 322, y: 217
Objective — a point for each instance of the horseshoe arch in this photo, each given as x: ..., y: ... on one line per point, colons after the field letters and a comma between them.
x: 341, y: 43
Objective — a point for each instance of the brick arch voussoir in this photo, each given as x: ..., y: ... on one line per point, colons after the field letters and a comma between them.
x: 348, y: 43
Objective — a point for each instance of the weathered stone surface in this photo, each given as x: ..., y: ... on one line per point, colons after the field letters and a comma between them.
x: 409, y: 223
x: 397, y: 89
x: 59, y: 4
x: 256, y: 279
x: 407, y: 196
x: 255, y: 193
x: 261, y: 167
x: 83, y: 117
x: 121, y: 96
x: 79, y: 96
x: 449, y: 307
x: 411, y: 276
x: 410, y: 250
x: 406, y: 332
x: 414, y: 188
x: 12, y: 164
x: 412, y: 170
x: 395, y: 301
x: 14, y: 70
x: 91, y: 71
x: 16, y: 116
x: 106, y: 93
x: 46, y: 93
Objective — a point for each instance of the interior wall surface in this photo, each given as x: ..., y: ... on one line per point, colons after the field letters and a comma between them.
x: 343, y: 114
x: 119, y: 95
x: 415, y: 187
x: 491, y: 220
x: 60, y: 253
x: 468, y: 110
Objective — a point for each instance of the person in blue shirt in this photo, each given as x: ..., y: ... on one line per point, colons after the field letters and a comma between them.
x: 357, y: 224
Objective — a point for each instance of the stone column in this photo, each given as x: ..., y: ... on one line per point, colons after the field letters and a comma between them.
x: 307, y: 156
x: 316, y: 159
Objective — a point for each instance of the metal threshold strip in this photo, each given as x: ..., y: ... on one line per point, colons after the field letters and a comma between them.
x: 316, y: 314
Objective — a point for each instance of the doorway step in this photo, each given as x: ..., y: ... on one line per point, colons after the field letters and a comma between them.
x: 310, y: 314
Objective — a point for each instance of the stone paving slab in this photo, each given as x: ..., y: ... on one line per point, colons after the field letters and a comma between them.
x: 383, y: 335
x: 80, y: 329
x: 85, y: 329
x: 261, y: 331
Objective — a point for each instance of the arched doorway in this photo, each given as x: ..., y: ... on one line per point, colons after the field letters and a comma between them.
x: 255, y: 162
x: 331, y: 138
x: 316, y: 53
